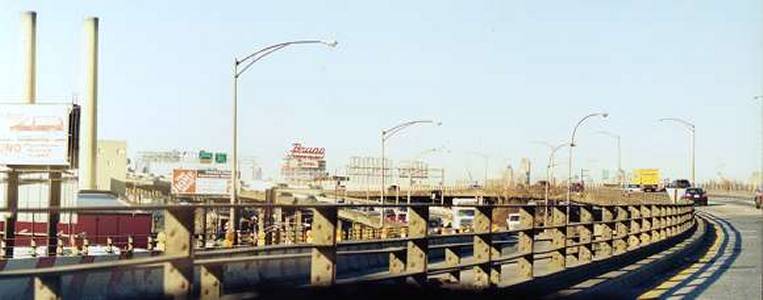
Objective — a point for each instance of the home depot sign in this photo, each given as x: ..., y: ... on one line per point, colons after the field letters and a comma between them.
x: 200, y: 182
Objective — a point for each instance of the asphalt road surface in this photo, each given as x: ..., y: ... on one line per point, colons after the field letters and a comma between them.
x: 731, y: 268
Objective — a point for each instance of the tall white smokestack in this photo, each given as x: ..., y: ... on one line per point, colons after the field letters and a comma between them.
x: 89, y: 124
x: 29, y: 20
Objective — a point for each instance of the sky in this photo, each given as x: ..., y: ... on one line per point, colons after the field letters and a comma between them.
x: 499, y: 75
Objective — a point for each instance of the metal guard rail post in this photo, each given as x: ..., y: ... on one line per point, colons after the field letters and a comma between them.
x: 592, y: 233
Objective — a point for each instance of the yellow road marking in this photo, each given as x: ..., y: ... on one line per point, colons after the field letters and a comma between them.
x: 687, y: 272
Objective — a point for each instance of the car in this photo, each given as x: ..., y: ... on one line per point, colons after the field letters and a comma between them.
x: 513, y: 221
x: 401, y: 215
x: 475, y: 186
x: 435, y: 225
x: 758, y: 198
x: 649, y: 188
x: 696, y: 195
x: 395, y: 215
x: 632, y: 188
x: 373, y: 212
x: 577, y: 187
x: 681, y: 184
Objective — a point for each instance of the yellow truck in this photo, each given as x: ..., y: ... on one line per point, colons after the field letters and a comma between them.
x: 647, y: 179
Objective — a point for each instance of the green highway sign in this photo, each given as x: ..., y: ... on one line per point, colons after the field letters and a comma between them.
x: 205, y: 157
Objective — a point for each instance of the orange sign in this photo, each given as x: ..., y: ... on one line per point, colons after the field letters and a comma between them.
x: 183, y: 181
x: 200, y: 182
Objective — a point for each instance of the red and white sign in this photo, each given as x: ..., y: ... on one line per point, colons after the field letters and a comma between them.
x: 34, y: 134
x: 299, y: 151
x: 200, y: 182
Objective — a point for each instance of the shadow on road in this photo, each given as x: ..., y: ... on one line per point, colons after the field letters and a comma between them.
x: 706, y: 270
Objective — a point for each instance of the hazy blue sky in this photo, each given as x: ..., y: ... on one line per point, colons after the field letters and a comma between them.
x: 498, y: 74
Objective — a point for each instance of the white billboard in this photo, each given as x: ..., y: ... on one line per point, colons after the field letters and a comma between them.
x: 34, y: 134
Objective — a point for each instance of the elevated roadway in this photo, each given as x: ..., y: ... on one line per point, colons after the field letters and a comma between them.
x: 308, y: 196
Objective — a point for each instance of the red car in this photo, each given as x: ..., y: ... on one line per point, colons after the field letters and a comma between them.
x: 697, y: 195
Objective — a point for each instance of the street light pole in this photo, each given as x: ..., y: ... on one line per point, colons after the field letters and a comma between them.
x: 385, y: 135
x: 232, y: 218
x: 572, y: 146
x: 487, y: 166
x: 692, y: 132
x: 693, y: 156
x: 549, y: 173
x: 550, y: 166
x: 250, y: 60
x: 619, y: 156
x: 760, y: 172
x: 410, y: 170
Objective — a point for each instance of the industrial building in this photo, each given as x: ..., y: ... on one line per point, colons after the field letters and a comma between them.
x: 111, y: 163
x: 304, y: 165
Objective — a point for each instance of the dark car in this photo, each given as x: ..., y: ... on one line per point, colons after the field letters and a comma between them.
x: 649, y: 188
x: 758, y: 198
x: 435, y: 225
x: 697, y: 195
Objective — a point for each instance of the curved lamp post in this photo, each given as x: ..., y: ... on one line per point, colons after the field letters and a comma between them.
x: 692, y: 130
x: 550, y: 166
x: 410, y: 169
x: 572, y: 146
x: 549, y: 173
x: 387, y: 134
x: 248, y: 61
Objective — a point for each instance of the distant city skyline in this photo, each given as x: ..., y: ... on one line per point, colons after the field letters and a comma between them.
x: 499, y: 75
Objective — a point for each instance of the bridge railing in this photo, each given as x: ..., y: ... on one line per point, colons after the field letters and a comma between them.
x: 566, y: 237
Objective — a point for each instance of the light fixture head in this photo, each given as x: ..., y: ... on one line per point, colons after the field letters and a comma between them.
x: 330, y: 43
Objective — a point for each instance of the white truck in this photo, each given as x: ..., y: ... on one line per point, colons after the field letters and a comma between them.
x: 463, y: 217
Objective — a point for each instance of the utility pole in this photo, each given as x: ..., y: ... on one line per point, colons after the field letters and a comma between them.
x: 620, y: 177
